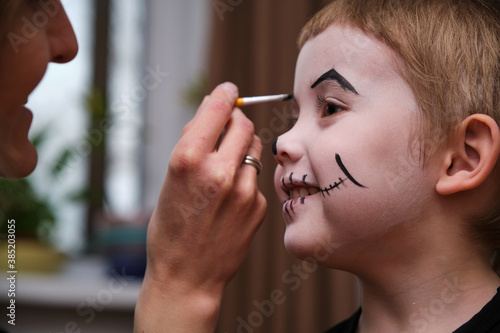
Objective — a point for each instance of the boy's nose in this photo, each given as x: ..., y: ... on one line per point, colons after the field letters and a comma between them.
x: 62, y: 39
x: 287, y: 149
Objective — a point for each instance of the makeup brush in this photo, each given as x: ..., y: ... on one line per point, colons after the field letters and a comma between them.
x: 243, y: 101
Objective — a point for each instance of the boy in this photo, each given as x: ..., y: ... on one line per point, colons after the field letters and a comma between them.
x: 393, y: 159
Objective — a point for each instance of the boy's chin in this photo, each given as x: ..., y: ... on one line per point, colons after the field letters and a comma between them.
x: 316, y: 247
x: 299, y: 245
x: 20, y: 163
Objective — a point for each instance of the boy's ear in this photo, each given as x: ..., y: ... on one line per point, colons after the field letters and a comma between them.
x: 471, y: 156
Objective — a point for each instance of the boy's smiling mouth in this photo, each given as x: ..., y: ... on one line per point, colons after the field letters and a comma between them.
x: 295, y: 188
x: 298, y: 190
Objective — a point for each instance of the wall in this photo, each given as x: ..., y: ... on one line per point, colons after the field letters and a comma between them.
x: 177, y: 44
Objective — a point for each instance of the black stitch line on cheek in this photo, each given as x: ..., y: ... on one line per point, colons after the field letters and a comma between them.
x: 304, y: 179
x: 291, y: 207
x: 302, y: 200
x: 332, y: 187
x: 291, y: 179
x: 344, y: 170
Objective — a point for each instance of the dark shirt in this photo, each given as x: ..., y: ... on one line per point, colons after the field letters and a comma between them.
x: 485, y: 321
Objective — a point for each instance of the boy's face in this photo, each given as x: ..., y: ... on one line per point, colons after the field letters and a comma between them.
x: 352, y: 148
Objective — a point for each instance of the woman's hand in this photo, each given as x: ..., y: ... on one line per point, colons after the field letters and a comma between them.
x: 207, y: 214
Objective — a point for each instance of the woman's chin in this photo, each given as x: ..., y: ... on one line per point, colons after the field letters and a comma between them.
x: 19, y: 164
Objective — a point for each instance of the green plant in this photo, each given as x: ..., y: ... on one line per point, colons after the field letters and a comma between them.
x: 193, y: 95
x: 19, y: 201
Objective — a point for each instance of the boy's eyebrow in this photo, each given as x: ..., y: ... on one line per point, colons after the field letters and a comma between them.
x: 333, y: 75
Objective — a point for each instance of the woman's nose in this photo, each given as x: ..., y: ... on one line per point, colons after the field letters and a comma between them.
x: 62, y: 39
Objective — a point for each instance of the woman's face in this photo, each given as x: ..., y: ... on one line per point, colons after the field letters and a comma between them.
x: 40, y: 33
x: 348, y: 171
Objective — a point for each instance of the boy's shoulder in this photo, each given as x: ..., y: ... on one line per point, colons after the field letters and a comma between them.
x: 347, y: 326
x: 485, y: 321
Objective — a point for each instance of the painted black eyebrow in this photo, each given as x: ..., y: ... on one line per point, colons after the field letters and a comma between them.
x: 333, y: 75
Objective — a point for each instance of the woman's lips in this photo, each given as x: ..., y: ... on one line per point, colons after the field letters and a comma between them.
x: 23, y: 123
x: 27, y: 113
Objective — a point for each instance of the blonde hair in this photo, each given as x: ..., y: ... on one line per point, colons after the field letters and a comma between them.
x: 450, y: 51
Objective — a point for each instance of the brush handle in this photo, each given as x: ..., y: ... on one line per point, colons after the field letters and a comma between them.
x: 243, y: 101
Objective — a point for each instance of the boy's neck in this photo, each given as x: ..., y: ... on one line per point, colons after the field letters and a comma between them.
x: 432, y: 295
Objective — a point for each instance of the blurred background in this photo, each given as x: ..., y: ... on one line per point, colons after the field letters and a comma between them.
x: 105, y: 125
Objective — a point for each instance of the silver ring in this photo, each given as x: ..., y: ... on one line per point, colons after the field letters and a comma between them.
x: 253, y: 162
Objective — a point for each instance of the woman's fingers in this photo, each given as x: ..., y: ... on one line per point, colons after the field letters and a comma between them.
x: 246, y: 194
x: 250, y: 169
x: 236, y: 140
x: 212, y: 116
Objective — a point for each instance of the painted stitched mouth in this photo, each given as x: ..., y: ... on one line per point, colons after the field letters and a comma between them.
x: 299, y: 192
x: 298, y: 196
x: 297, y: 188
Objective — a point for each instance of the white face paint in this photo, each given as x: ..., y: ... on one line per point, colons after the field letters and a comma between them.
x: 346, y: 172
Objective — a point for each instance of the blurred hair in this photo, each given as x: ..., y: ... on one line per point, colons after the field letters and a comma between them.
x: 450, y: 51
x: 9, y: 10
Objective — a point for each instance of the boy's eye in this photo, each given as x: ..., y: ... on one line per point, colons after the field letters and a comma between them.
x: 328, y: 107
